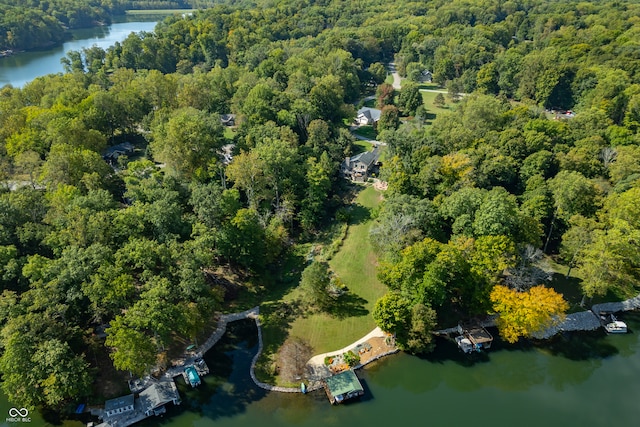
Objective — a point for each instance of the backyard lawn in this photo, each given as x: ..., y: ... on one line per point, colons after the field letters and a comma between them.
x: 366, y: 131
x: 355, y: 264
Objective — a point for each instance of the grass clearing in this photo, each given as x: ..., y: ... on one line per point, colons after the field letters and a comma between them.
x: 355, y: 264
x: 281, y: 311
x: 371, y: 103
x: 432, y: 110
x: 229, y: 133
x: 431, y: 86
x: 366, y: 131
x: 361, y: 146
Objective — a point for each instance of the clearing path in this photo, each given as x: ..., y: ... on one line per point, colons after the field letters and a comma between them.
x: 397, y: 82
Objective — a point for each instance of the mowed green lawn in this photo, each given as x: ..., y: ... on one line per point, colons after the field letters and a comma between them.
x: 432, y: 110
x: 355, y: 264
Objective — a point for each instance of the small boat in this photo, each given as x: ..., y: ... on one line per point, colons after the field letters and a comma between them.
x: 303, y: 388
x: 192, y: 376
x: 615, y: 326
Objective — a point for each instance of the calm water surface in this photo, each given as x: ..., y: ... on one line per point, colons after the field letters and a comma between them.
x: 23, y: 67
x: 585, y: 379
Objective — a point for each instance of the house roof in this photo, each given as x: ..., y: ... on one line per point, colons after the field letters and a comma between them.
x: 118, y: 402
x: 158, y: 394
x: 370, y: 113
x: 368, y: 157
x: 124, y: 147
x: 344, y: 382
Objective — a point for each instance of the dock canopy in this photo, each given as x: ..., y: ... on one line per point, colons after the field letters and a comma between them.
x: 343, y: 386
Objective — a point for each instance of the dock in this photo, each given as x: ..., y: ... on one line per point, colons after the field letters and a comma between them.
x: 192, y: 373
x: 343, y: 386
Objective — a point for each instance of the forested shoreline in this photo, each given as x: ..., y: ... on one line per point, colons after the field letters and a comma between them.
x: 477, y: 193
x: 39, y: 24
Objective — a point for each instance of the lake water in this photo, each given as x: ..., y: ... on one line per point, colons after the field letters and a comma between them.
x: 23, y: 67
x: 581, y: 379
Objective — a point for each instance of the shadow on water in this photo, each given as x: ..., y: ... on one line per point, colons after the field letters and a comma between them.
x: 446, y: 350
x: 581, y: 346
x: 366, y: 397
x: 228, y: 389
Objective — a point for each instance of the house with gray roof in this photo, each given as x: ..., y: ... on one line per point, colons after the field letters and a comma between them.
x: 112, y: 153
x: 358, y: 167
x: 368, y: 116
x: 153, y: 398
x: 118, y: 406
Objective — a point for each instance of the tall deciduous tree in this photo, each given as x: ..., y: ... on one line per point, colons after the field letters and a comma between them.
x: 523, y: 314
x: 315, y: 281
x: 187, y: 142
x: 410, y: 98
x: 133, y: 350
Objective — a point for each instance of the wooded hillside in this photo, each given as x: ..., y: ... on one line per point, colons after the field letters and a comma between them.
x: 477, y: 190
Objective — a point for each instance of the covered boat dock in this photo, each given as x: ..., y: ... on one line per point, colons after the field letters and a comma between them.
x: 343, y: 386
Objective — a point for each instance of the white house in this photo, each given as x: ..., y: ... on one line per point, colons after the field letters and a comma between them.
x: 367, y: 116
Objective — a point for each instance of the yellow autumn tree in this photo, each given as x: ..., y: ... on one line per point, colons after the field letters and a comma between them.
x: 456, y: 168
x: 522, y: 314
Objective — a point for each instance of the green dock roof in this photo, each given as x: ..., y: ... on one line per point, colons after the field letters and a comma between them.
x: 344, y: 382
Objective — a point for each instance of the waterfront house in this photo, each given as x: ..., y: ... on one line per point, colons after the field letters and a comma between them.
x: 154, y: 398
x: 358, y: 167
x: 343, y: 386
x: 118, y: 406
x: 367, y: 116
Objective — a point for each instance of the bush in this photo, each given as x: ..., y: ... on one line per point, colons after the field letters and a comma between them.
x: 336, y: 243
x: 351, y: 359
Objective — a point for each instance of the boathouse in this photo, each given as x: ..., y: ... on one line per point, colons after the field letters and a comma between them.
x: 343, y: 386
x: 474, y: 339
x: 153, y: 399
x: 118, y: 406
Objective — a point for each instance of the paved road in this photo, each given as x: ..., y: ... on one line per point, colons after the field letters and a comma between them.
x: 397, y: 83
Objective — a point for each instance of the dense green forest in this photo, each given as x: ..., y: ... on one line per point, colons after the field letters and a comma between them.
x: 29, y: 24
x: 474, y: 198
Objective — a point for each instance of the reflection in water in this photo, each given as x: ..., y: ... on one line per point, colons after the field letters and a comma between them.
x: 565, y: 382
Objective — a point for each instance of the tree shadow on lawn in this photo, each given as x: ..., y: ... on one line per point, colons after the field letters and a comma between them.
x: 358, y: 214
x: 348, y: 305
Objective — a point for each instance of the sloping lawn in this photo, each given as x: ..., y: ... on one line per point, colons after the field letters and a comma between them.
x: 366, y: 131
x: 355, y: 264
